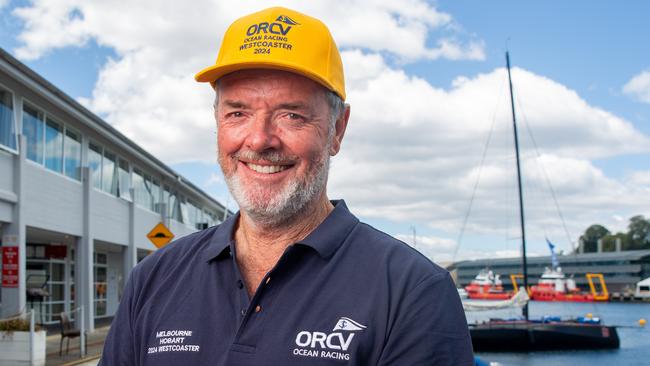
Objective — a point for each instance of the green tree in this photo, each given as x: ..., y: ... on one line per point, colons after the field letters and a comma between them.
x: 609, y: 242
x: 638, y: 233
x: 592, y: 235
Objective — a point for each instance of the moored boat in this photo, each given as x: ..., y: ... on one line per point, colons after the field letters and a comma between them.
x: 546, y: 334
x: 487, y: 286
x: 551, y: 333
x: 553, y: 285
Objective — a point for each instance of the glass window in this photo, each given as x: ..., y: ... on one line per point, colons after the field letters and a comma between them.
x: 95, y: 165
x: 7, y: 122
x: 101, y: 258
x: 58, y: 272
x: 166, y: 199
x: 139, y: 189
x: 124, y: 187
x: 54, y: 146
x: 72, y: 154
x: 175, y: 208
x: 185, y: 213
x: 33, y: 131
x: 155, y: 193
x: 109, y: 175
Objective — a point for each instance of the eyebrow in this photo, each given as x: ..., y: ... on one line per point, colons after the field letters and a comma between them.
x: 235, y: 104
x: 293, y: 106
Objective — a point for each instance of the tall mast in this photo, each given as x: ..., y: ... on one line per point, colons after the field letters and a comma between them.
x: 521, y: 196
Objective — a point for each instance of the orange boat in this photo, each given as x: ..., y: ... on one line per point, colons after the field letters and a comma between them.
x: 554, y: 286
x: 487, y: 286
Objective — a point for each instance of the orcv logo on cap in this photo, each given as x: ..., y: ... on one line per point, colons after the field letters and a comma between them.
x: 281, y: 39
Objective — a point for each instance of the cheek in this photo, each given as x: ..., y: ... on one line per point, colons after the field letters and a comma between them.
x: 227, y: 141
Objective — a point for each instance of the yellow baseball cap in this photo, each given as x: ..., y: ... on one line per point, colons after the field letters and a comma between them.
x: 282, y: 39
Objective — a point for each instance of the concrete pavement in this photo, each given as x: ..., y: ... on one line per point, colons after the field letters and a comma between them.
x: 95, y: 344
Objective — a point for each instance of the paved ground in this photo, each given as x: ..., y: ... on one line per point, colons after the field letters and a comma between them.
x: 95, y: 343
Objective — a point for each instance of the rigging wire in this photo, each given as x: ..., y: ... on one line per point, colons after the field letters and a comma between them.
x: 478, y: 176
x: 546, y: 178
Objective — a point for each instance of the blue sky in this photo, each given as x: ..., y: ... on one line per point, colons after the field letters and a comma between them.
x: 574, y: 57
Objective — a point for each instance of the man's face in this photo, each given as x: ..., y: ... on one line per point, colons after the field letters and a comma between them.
x: 273, y: 142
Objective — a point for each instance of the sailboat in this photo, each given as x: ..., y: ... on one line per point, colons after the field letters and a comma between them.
x: 549, y: 333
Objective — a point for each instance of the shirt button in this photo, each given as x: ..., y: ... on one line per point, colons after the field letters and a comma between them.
x: 258, y: 309
x: 243, y: 311
x: 240, y: 284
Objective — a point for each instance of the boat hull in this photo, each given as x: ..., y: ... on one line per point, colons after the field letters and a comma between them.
x: 517, y: 336
x: 489, y: 296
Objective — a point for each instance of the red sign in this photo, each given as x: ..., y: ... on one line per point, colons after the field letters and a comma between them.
x: 9, y: 266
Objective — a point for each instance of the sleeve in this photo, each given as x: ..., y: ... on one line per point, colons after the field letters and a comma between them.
x: 120, y: 342
x: 430, y: 327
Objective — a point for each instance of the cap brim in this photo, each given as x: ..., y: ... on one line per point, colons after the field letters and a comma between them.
x: 212, y: 73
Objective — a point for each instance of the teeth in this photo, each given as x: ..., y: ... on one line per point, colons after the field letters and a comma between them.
x: 267, y: 169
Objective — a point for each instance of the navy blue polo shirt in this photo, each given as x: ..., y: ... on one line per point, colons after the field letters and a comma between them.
x: 347, y: 294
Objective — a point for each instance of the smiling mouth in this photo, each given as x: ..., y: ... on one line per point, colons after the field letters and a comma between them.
x: 267, y: 169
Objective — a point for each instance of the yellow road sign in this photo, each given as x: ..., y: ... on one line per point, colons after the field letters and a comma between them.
x: 160, y: 235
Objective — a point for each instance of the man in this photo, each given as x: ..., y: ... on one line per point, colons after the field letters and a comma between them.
x: 293, y: 278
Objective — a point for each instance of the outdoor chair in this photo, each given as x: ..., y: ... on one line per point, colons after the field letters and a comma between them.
x: 68, y: 332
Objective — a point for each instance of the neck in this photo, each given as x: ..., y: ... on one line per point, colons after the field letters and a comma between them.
x: 259, y: 246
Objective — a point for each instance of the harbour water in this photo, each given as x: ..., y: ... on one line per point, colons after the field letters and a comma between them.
x: 635, y: 340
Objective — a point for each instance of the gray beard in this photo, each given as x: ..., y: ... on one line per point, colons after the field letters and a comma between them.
x: 285, y: 205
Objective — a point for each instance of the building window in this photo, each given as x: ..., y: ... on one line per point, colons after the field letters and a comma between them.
x: 174, y: 207
x: 54, y: 146
x: 72, y: 154
x: 141, y: 196
x: 185, y: 213
x: 33, y: 131
x: 124, y: 180
x: 155, y: 195
x: 101, y: 282
x: 146, y: 190
x: 7, y: 121
x: 95, y: 165
x: 165, y: 200
x: 109, y: 174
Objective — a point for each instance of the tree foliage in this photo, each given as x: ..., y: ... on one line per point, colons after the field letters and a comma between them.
x: 591, y: 236
x: 637, y: 237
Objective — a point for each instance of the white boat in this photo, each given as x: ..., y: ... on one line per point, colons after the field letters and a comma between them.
x: 643, y: 289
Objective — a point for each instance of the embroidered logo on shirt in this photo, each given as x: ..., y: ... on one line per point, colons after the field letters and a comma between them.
x: 173, y: 341
x: 345, y: 323
x: 334, y: 345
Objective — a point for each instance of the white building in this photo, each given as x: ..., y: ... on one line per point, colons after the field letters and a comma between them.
x: 77, y: 200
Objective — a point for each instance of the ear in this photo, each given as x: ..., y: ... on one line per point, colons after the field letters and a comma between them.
x: 340, y: 125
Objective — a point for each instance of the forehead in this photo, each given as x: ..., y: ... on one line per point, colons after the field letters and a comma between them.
x: 262, y: 81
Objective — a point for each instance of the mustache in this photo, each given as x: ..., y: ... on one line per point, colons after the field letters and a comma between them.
x: 272, y: 157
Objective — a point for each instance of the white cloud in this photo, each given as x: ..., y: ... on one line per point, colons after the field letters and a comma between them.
x: 3, y: 3
x: 412, y: 152
x: 412, y: 149
x: 639, y: 87
x: 214, y: 179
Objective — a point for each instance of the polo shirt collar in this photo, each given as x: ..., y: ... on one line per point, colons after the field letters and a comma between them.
x: 222, y: 238
x: 331, y: 233
x: 325, y: 239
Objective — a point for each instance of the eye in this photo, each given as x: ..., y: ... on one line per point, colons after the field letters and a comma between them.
x: 235, y: 114
x: 294, y: 117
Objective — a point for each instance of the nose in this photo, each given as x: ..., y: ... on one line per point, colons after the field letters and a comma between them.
x: 262, y: 135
